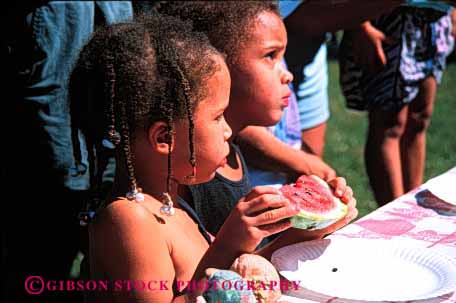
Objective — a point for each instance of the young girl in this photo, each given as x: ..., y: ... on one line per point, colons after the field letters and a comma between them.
x: 155, y: 93
x: 253, y: 36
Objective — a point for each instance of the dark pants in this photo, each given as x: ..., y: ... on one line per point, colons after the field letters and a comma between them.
x: 41, y: 237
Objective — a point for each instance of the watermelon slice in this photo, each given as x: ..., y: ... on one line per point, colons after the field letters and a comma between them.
x: 319, y: 207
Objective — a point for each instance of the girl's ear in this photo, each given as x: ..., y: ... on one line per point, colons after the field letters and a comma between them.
x: 159, y: 138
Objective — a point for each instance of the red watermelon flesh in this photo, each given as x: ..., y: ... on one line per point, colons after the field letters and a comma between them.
x: 309, y: 195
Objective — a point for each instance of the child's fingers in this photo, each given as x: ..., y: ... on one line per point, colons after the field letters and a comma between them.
x: 261, y: 190
x: 264, y: 202
x: 329, y: 174
x: 352, y: 203
x: 348, y: 195
x: 274, y: 228
x: 341, y: 190
x: 274, y: 215
x: 353, y: 215
x: 352, y: 211
x: 339, y: 185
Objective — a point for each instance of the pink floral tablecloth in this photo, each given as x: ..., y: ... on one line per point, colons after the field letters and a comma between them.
x: 403, y: 219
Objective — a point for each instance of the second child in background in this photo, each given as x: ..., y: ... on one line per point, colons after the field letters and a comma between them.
x: 303, y: 123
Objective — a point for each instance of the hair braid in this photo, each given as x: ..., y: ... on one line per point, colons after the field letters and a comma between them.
x: 124, y: 128
x: 113, y: 135
x: 191, y: 125
x: 170, y: 142
x: 167, y: 108
x: 185, y: 85
x: 125, y: 143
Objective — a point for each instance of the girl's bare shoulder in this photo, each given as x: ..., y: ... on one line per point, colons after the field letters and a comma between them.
x: 131, y: 232
x: 127, y: 216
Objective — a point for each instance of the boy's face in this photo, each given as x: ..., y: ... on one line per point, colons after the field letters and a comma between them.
x: 260, y: 91
x: 211, y: 131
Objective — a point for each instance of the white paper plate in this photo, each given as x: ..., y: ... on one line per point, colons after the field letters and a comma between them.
x: 369, y: 270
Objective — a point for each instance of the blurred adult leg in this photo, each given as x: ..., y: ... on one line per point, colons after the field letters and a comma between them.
x: 413, y: 142
x: 382, y: 153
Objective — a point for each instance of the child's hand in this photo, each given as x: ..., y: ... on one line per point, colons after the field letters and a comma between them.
x: 341, y: 190
x: 261, y: 213
x: 344, y: 192
x: 299, y: 235
x: 296, y: 235
x: 352, y: 213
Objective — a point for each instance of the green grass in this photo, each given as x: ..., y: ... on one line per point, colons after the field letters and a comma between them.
x: 346, y: 135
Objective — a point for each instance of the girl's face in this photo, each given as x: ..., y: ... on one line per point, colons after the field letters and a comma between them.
x: 211, y: 132
x: 260, y: 89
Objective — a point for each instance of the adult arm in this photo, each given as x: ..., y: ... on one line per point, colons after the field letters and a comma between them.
x: 261, y: 149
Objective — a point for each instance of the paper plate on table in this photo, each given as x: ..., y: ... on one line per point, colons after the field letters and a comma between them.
x: 369, y: 270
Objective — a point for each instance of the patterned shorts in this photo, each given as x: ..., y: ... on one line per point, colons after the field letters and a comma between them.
x: 422, y: 41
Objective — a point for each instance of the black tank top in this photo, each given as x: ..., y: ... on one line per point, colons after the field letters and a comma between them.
x: 214, y: 200
x: 191, y: 212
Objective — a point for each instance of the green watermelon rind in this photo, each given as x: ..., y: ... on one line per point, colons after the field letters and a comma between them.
x: 312, y: 221
x: 308, y: 220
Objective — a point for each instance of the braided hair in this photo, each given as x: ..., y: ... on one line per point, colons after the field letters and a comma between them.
x: 134, y: 74
x: 226, y: 23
